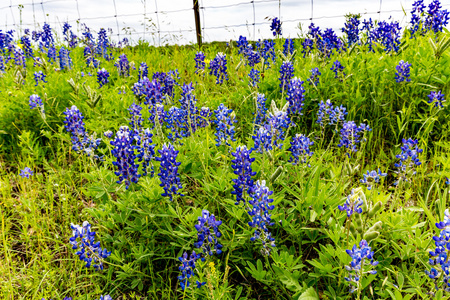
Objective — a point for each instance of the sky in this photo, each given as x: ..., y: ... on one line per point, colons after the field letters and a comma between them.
x: 220, y: 20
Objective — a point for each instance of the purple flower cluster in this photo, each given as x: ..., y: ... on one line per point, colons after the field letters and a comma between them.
x: 387, y: 34
x: 261, y: 109
x: 242, y: 44
x: 435, y: 18
x: 300, y: 149
x: 19, y: 57
x: 123, y: 66
x: 242, y: 167
x: 356, y: 268
x: 123, y: 151
x: 187, y: 269
x: 275, y: 27
x: 403, y: 72
x: 65, y: 62
x: 437, y: 99
x: 338, y: 70
x: 263, y: 139
x: 288, y: 47
x: 143, y: 70
x: 314, y: 79
x: 276, y: 125
x: 351, y: 29
x: 168, y: 171
x: 439, y: 257
x: 102, y: 77
x: 224, y: 125
x: 254, y: 76
x: 36, y: 101
x: 27, y: 49
x: 69, y: 36
x: 261, y: 217
x: 39, y: 76
x: 199, y: 62
x: 409, y: 159
x: 208, y: 233
x: 353, y: 204
x: 286, y: 74
x: 151, y: 91
x: 372, y: 177
x: 350, y: 135
x: 167, y: 81
x: 295, y: 96
x: 267, y: 51
x: 218, y: 68
x: 89, y: 250
x: 325, y: 42
x: 81, y: 141
x: 26, y: 173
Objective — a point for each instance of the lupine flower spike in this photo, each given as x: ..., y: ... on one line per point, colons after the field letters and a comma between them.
x: 353, y: 204
x: 409, y: 159
x: 187, y: 269
x: 275, y: 27
x: 371, y: 178
x: 208, y: 233
x: 26, y: 173
x: 89, y: 250
x: 361, y: 257
x: 403, y: 72
x: 437, y: 99
x: 224, y: 121
x: 242, y: 166
x: 168, y: 172
x: 300, y: 149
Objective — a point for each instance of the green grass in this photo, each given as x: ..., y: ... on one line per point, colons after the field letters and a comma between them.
x: 147, y: 233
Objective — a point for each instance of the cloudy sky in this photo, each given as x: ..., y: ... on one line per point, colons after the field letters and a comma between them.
x: 221, y: 20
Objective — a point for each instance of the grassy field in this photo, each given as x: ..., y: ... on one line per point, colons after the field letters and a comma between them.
x: 147, y: 229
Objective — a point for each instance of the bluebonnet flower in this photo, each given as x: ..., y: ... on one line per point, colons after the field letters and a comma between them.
x: 224, y: 125
x: 19, y: 57
x: 103, y: 44
x: 187, y: 269
x: 36, y: 101
x: 418, y: 10
x: 263, y: 139
x: 254, y: 77
x: 356, y: 268
x: 26, y: 172
x: 267, y: 50
x: 300, y: 149
x: 314, y: 79
x: 439, y: 262
x: 176, y: 119
x: 307, y: 46
x: 437, y: 99
x: 409, y: 159
x: 145, y: 150
x: 325, y: 112
x: 81, y: 141
x: 91, y: 61
x: 208, y: 233
x: 286, y: 73
x: 2, y: 64
x: 102, y: 77
x: 27, y: 49
x: 242, y: 167
x: 329, y: 41
x: 143, y: 70
x: 39, y: 76
x: 277, y: 122
x: 123, y: 151
x: 51, y: 54
x: 106, y: 297
x: 295, y: 96
x: 88, y: 38
x: 261, y: 218
x: 261, y: 109
x: 253, y: 57
x: 89, y: 250
x: 372, y: 177
x: 65, y: 62
x: 168, y: 172
x: 69, y: 36
x: 108, y: 134
x: 436, y: 18
x: 242, y: 44
x: 123, y: 66
x: 389, y: 35
x: 338, y: 69
x: 448, y: 181
x: 218, y: 68
x: 204, y: 118
x: 353, y: 204
x: 199, y: 62
x: 47, y: 36
x: 350, y: 135
x: 338, y: 115
x: 352, y: 30
x: 136, y: 117
x: 275, y: 27
x: 151, y: 91
x: 188, y: 103
x: 288, y: 47
x: 403, y: 72
x: 167, y: 81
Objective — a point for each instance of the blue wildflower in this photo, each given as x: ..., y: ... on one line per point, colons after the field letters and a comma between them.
x: 356, y: 268
x: 254, y: 77
x: 436, y: 18
x: 89, y: 250
x: 208, y: 233
x: 26, y: 172
x: 19, y: 57
x: 353, y: 204
x: 242, y: 166
x: 275, y: 27
x: 403, y: 72
x: 314, y: 79
x: 338, y: 70
x: 277, y: 122
x: 36, y: 101
x: 300, y: 149
x: 286, y: 74
x: 372, y: 177
x: 168, y: 172
x: 27, y: 49
x: 102, y: 77
x: 39, y: 76
x: 69, y: 36
x: 261, y: 218
x: 242, y: 44
x: 350, y: 135
x: 123, y: 66
x: 295, y: 96
x: 65, y: 62
x: 263, y: 139
x: 218, y: 68
x: 288, y: 47
x: 352, y: 30
x: 224, y: 121
x: 199, y: 62
x: 437, y: 99
x: 187, y: 269
x: 261, y: 109
x: 409, y: 159
x: 143, y: 70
